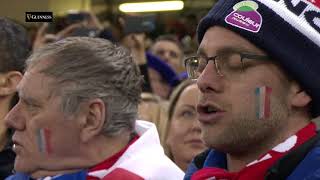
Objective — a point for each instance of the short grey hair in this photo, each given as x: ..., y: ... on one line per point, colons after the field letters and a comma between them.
x: 86, y: 68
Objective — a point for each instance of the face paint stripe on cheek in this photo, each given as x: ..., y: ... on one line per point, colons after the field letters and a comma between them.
x: 47, y: 134
x: 44, y: 140
x: 267, y: 102
x: 263, y: 102
x: 257, y: 102
x: 40, y: 140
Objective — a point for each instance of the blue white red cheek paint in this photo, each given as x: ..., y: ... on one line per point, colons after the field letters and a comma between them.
x: 263, y: 95
x: 44, y: 143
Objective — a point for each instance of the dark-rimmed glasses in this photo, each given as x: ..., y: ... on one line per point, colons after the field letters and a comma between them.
x: 226, y: 64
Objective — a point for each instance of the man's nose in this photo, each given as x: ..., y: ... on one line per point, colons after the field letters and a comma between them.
x: 209, y: 79
x: 14, y: 119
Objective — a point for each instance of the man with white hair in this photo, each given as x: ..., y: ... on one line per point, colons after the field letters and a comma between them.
x: 76, y: 117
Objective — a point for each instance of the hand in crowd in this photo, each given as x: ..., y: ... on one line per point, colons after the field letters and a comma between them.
x: 136, y: 44
x: 93, y: 21
x: 42, y: 37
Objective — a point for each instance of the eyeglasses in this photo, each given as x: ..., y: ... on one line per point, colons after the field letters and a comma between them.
x: 226, y: 64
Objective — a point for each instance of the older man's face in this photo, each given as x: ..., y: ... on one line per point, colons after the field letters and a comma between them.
x: 44, y: 138
x: 228, y: 104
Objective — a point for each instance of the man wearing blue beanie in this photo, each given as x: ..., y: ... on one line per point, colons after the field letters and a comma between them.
x: 258, y: 70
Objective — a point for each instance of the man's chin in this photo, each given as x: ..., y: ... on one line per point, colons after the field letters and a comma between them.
x: 215, y: 141
x: 208, y: 137
x: 208, y: 141
x: 23, y: 166
x: 22, y: 169
x: 26, y: 169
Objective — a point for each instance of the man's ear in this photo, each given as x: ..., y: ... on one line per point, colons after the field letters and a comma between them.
x: 9, y: 82
x: 94, y: 119
x: 299, y: 97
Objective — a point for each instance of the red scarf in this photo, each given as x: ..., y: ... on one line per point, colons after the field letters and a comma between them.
x: 256, y: 170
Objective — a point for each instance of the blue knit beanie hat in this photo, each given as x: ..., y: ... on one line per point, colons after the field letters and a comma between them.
x: 288, y: 30
x: 166, y: 72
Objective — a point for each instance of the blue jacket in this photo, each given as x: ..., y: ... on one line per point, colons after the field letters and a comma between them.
x: 301, y: 163
x: 81, y: 175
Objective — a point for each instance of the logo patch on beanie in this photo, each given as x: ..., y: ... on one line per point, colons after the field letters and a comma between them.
x: 245, y: 16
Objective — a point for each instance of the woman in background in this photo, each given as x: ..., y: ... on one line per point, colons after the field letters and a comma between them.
x: 183, y: 141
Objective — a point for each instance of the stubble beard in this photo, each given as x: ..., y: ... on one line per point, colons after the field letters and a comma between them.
x: 246, y: 133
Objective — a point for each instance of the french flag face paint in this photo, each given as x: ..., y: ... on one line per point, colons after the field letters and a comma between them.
x: 263, y: 102
x: 44, y: 144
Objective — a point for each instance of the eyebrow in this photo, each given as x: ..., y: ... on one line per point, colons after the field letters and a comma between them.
x: 202, y: 52
x: 27, y: 99
x: 188, y: 106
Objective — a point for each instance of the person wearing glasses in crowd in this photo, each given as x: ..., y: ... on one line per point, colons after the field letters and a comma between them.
x: 257, y: 69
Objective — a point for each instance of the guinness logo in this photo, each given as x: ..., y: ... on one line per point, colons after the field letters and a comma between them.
x: 39, y: 16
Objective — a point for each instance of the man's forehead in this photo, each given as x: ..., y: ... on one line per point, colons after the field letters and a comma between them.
x: 166, y: 44
x: 34, y: 73
x: 218, y: 38
x: 34, y: 83
x: 39, y: 64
